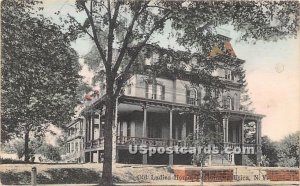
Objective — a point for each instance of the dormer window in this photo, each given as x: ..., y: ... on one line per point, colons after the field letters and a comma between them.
x: 228, y: 74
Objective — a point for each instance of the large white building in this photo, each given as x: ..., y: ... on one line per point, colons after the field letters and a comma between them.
x: 153, y: 111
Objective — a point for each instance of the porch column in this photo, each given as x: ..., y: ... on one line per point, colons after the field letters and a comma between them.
x: 243, y: 140
x: 225, y: 129
x: 100, y: 124
x: 183, y: 131
x: 145, y: 131
x: 87, y: 128
x: 171, y: 137
x: 98, y: 156
x: 125, y: 128
x: 195, y: 127
x: 91, y: 156
x: 132, y: 129
x: 258, y: 142
x: 92, y: 126
x: 114, y: 134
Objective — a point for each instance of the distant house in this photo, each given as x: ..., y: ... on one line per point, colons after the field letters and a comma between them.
x: 151, y: 111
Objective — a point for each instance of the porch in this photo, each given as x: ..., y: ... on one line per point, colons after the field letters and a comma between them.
x: 161, y: 124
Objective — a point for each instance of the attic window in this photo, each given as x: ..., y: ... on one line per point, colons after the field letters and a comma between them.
x: 228, y: 74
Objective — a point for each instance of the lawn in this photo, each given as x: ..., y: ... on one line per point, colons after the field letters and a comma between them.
x: 20, y: 174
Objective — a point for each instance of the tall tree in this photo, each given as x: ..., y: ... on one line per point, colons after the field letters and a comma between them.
x: 289, y: 151
x: 127, y: 26
x: 269, y: 151
x: 39, y: 73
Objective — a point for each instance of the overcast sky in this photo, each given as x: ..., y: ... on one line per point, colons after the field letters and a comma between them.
x: 272, y: 73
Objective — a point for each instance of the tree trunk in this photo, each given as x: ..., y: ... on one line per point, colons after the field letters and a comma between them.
x: 109, y: 116
x: 26, y: 147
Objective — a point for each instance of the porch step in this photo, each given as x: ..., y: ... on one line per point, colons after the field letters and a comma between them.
x: 219, y: 159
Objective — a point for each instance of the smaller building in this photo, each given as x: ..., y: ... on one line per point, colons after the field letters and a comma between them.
x: 74, y: 142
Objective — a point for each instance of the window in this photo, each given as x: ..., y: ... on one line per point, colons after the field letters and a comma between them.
x: 129, y: 89
x: 229, y: 103
x: 76, y: 147
x: 191, y: 96
x: 157, y: 92
x: 149, y: 91
x: 236, y: 100
x: 232, y: 104
x: 155, y: 58
x: 228, y: 74
x: 160, y: 91
x: 72, y: 147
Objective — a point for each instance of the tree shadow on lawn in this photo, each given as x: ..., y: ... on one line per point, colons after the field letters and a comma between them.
x: 54, y: 176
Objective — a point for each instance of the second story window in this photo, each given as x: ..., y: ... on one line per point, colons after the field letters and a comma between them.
x: 191, y: 96
x: 229, y: 103
x: 155, y: 92
x: 149, y: 91
x: 160, y: 91
x: 129, y: 89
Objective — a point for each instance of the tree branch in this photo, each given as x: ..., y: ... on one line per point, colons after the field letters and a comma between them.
x: 126, y: 39
x: 95, y: 38
x: 140, y: 46
x: 81, y: 27
x: 110, y: 40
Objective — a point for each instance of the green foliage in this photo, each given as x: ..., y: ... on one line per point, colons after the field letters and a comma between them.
x: 10, y: 161
x: 266, y: 20
x: 15, y: 178
x: 288, y: 151
x: 36, y: 146
x: 284, y: 153
x: 52, y: 176
x: 269, y: 151
x: 17, y: 146
x: 39, y: 75
x: 50, y: 152
x: 250, y: 132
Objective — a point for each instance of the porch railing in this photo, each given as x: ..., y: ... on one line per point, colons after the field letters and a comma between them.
x: 97, y: 143
x: 159, y: 142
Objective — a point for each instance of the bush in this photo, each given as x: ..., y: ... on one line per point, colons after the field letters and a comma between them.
x: 52, y: 176
x: 10, y: 161
x: 15, y: 178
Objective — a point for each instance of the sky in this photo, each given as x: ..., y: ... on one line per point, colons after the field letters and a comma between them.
x: 272, y: 73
